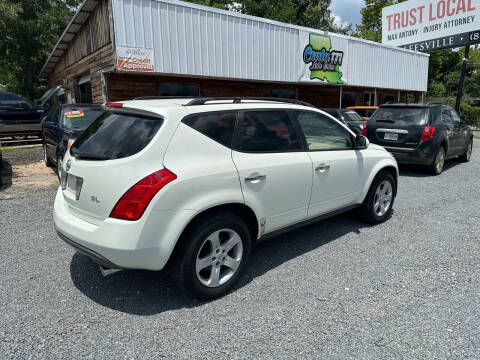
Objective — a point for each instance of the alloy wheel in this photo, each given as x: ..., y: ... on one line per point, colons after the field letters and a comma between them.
x: 469, y: 149
x: 383, y: 198
x: 440, y: 161
x: 219, y: 258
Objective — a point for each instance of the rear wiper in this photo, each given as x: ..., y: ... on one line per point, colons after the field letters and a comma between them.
x: 86, y: 156
x: 385, y: 121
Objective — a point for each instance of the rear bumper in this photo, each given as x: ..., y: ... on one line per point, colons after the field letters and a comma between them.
x: 410, y: 156
x: 99, y: 259
x: 144, y: 244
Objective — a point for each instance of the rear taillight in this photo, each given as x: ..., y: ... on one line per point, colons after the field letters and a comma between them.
x: 427, y: 133
x: 114, y: 105
x: 134, y: 202
x: 364, y: 130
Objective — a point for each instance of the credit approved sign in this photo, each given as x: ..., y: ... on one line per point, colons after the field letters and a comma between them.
x: 135, y: 59
x: 429, y: 25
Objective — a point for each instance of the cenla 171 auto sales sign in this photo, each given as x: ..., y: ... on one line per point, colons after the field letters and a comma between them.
x: 429, y: 25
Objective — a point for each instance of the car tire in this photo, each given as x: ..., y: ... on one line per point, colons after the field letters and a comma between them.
x: 211, y: 256
x: 378, y: 204
x: 436, y: 167
x: 48, y: 162
x: 465, y: 157
x: 59, y: 166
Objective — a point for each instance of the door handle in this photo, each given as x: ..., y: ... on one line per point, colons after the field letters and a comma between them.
x: 255, y: 179
x: 322, y: 168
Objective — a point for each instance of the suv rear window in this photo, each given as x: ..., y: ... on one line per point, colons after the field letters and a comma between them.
x: 407, y: 115
x: 115, y: 136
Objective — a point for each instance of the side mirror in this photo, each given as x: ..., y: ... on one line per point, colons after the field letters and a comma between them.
x: 361, y: 142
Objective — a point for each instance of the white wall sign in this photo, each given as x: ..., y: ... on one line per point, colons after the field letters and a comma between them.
x: 428, y: 25
x: 135, y: 59
x: 322, y: 58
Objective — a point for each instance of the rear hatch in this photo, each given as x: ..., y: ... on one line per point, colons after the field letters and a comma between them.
x: 397, y: 126
x: 108, y: 158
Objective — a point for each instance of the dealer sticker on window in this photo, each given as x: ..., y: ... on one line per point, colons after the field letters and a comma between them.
x: 74, y: 114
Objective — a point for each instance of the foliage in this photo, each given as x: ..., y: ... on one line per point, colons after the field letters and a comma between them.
x: 310, y: 13
x: 371, y: 26
x: 30, y: 29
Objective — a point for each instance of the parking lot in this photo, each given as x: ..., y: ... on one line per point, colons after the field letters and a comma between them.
x: 339, y: 289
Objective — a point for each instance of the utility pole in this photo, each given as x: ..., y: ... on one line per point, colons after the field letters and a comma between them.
x: 462, y: 78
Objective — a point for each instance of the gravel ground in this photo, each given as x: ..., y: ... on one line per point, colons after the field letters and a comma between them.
x: 406, y: 289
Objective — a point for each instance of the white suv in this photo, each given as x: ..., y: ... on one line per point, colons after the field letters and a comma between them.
x: 193, y: 184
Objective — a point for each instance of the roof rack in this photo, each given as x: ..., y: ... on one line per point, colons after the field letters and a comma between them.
x: 239, y: 100
x: 163, y: 97
x: 435, y: 103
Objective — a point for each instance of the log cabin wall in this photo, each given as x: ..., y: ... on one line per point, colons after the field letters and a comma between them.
x: 90, y: 52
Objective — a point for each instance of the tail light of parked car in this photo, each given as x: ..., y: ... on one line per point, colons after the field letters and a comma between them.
x: 133, y: 203
x: 364, y: 129
x: 427, y: 133
x: 114, y: 105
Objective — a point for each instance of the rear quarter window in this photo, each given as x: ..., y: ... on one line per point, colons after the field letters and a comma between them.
x: 115, y: 136
x: 218, y: 126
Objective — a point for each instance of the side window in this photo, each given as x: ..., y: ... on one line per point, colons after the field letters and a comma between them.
x: 217, y: 126
x: 323, y: 133
x: 455, y: 116
x: 266, y: 131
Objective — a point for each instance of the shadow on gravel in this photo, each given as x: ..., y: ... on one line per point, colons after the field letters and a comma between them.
x: 148, y: 293
x: 5, y: 175
x: 421, y: 171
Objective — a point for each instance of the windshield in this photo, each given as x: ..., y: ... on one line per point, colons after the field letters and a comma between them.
x: 78, y: 118
x: 351, y: 116
x: 409, y: 115
x: 115, y: 136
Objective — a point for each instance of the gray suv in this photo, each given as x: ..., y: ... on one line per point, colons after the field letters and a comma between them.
x: 424, y: 134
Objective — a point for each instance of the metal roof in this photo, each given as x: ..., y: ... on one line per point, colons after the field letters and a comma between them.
x: 73, y: 27
x: 187, y: 39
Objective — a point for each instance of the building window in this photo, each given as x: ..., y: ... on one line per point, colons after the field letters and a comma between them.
x: 348, y: 99
x: 179, y: 89
x: 369, y: 98
x: 83, y: 90
x: 285, y: 93
x: 389, y: 99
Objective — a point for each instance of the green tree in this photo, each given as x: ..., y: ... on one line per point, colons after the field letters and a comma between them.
x: 310, y: 13
x: 29, y: 32
x: 371, y: 26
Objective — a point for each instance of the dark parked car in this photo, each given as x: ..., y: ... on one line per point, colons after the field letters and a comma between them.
x: 349, y: 117
x: 62, y: 125
x: 421, y: 134
x: 18, y: 116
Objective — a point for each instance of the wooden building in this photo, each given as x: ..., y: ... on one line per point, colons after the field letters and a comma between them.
x: 121, y: 49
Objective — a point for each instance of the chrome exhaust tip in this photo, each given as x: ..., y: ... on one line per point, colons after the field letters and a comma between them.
x: 107, y: 271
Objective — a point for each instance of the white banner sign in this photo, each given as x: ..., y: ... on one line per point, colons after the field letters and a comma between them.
x: 135, y: 59
x: 427, y: 25
x: 323, y: 58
